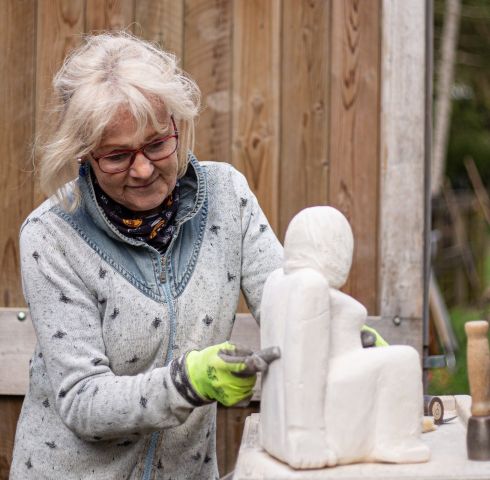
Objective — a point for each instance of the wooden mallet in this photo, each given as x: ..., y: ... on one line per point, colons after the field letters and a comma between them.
x: 478, y: 433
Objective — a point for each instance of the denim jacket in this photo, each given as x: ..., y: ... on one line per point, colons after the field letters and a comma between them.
x: 113, y: 317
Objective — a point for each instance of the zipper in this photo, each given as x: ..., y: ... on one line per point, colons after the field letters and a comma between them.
x: 163, y: 258
x: 150, y: 455
x: 168, y: 296
x: 163, y: 273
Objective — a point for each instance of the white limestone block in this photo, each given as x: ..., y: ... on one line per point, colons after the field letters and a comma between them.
x: 327, y: 401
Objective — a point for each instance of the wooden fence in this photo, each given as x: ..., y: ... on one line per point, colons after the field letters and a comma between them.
x: 316, y: 101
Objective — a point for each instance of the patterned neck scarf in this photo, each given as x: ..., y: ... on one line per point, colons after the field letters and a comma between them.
x: 156, y: 229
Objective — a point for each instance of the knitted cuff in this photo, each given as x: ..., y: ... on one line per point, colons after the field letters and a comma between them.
x: 179, y: 376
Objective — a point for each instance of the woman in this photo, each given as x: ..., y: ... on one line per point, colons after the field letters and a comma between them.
x: 132, y: 273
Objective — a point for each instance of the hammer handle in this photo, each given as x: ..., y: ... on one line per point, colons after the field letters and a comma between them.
x: 478, y: 356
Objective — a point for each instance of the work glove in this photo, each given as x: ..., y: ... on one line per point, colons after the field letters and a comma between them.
x: 225, y: 372
x: 371, y: 338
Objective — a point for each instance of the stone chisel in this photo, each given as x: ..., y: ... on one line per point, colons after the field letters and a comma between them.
x: 478, y: 355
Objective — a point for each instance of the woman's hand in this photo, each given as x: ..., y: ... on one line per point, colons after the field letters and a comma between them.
x: 225, y: 372
x: 371, y: 338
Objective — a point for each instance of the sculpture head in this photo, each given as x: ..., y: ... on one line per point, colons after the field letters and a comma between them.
x: 320, y: 238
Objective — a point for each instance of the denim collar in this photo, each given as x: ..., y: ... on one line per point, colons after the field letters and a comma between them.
x: 192, y: 195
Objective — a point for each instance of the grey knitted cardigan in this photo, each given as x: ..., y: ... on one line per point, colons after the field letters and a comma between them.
x: 113, y: 319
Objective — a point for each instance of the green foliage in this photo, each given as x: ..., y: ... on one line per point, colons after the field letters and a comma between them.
x: 469, y: 136
x: 487, y: 267
x: 444, y: 381
x: 470, y: 119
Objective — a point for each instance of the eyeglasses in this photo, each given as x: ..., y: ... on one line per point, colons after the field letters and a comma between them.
x: 121, y: 160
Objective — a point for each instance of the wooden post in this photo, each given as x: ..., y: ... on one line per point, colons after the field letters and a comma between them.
x: 402, y: 166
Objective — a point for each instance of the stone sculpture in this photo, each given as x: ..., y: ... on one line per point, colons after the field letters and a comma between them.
x: 327, y: 401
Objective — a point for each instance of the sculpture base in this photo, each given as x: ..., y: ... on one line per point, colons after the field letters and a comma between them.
x: 448, y: 460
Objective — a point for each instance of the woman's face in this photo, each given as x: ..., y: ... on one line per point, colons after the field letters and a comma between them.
x: 146, y: 184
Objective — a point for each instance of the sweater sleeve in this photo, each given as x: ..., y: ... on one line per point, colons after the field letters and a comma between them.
x: 261, y: 251
x: 91, y: 400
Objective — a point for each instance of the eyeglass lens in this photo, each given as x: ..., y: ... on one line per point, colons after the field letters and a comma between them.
x: 154, y: 151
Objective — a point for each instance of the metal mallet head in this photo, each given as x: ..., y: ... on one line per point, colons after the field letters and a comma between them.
x: 478, y: 438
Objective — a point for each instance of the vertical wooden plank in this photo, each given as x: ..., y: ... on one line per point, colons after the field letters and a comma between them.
x: 109, y: 15
x: 402, y: 161
x: 256, y: 84
x: 161, y: 21
x: 221, y: 439
x: 235, y: 424
x: 59, y: 27
x: 10, y: 409
x: 17, y: 56
x: 60, y: 24
x: 304, y: 99
x: 208, y: 60
x: 354, y: 134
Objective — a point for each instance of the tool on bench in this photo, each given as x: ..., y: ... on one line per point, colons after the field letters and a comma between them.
x: 434, y: 407
x: 254, y: 361
x: 478, y: 354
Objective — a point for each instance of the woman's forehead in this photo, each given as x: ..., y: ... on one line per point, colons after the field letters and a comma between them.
x: 123, y: 129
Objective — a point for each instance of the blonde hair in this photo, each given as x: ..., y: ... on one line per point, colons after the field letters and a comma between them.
x: 107, y: 72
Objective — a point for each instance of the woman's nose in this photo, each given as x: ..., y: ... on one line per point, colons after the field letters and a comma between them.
x: 141, y: 167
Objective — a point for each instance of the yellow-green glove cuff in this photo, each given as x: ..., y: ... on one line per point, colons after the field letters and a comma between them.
x: 379, y: 340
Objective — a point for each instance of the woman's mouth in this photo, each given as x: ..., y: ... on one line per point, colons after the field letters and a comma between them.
x: 146, y: 185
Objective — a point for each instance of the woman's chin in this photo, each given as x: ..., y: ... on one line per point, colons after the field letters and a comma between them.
x: 147, y: 207
x: 142, y: 202
x: 143, y: 205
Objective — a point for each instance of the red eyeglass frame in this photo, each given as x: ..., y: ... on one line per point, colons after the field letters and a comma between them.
x: 141, y: 149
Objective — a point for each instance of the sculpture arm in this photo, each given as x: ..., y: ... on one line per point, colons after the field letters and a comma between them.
x: 347, y: 319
